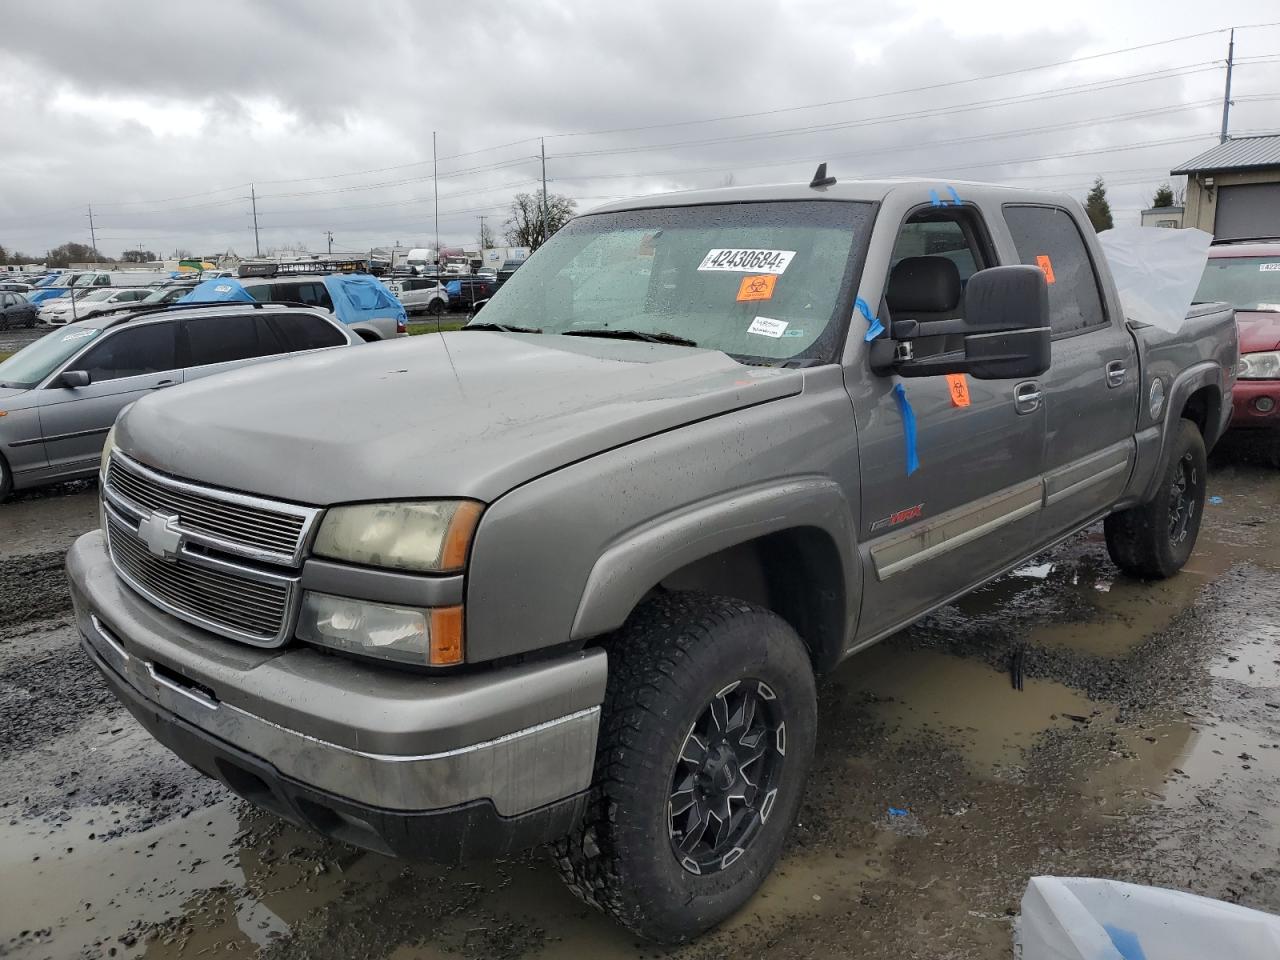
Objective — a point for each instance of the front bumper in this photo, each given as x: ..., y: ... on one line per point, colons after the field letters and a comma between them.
x: 1244, y: 405
x: 395, y: 762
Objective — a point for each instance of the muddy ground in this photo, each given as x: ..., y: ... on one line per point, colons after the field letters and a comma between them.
x: 1145, y: 746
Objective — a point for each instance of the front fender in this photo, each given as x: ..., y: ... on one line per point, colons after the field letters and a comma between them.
x: 633, y: 563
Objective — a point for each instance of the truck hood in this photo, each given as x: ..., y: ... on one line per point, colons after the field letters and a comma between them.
x: 1259, y: 330
x: 470, y: 414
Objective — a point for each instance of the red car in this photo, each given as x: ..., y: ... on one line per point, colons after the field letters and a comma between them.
x: 1247, y: 275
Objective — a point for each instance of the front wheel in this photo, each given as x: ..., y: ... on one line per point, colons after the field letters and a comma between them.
x: 1154, y: 540
x: 705, y: 744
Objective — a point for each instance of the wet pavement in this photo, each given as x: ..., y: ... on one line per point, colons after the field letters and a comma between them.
x: 1144, y: 745
x: 11, y: 341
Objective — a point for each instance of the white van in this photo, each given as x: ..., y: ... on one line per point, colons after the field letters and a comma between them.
x: 122, y: 278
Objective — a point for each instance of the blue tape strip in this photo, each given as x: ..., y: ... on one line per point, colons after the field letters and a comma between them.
x: 935, y: 199
x: 1125, y: 941
x: 908, y: 427
x: 874, y: 326
x: 955, y: 197
x: 898, y: 812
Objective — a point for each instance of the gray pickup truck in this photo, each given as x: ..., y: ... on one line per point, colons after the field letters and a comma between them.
x: 568, y: 575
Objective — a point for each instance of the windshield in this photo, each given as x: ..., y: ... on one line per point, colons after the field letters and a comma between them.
x: 759, y: 281
x: 37, y: 360
x: 1247, y: 283
x: 95, y: 295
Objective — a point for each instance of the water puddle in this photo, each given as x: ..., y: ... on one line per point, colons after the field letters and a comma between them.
x: 967, y: 702
x: 48, y: 518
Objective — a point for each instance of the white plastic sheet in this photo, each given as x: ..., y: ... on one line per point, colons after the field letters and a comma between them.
x: 1084, y: 919
x: 1156, y: 270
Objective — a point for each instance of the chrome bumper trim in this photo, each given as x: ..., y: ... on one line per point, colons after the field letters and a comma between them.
x: 518, y: 772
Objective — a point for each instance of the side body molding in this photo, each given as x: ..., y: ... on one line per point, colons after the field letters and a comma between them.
x: 644, y: 555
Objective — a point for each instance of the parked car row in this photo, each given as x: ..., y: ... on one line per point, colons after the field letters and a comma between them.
x: 60, y: 394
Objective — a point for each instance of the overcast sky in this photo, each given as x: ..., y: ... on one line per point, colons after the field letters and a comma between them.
x: 162, y: 115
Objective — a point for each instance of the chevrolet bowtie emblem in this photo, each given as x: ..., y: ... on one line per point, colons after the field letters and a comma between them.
x: 161, y: 534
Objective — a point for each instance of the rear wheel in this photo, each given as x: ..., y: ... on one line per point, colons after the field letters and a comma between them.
x: 705, y: 744
x: 1154, y: 540
x: 435, y: 308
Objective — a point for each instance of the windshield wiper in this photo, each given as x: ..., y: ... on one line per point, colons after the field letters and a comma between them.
x: 660, y: 337
x: 503, y: 327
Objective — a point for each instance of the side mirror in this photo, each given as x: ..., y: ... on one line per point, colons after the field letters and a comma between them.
x: 75, y: 378
x: 1005, y: 329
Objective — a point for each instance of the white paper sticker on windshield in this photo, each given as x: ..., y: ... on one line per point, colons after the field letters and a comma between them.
x: 1268, y: 267
x: 78, y: 335
x: 747, y: 261
x: 768, y: 327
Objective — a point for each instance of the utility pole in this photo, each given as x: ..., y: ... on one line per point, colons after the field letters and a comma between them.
x: 483, y: 218
x: 546, y: 226
x: 253, y: 197
x: 435, y: 200
x: 329, y: 235
x: 93, y: 236
x: 1226, y: 96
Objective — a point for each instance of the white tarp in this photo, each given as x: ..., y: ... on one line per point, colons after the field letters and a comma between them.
x: 1079, y: 918
x: 1157, y: 271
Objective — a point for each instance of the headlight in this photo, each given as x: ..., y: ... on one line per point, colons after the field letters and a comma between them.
x: 1260, y: 366
x: 108, y: 449
x: 427, y: 537
x: 108, y: 446
x: 403, y: 634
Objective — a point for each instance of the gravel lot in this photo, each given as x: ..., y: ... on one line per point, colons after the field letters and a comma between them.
x: 1144, y: 746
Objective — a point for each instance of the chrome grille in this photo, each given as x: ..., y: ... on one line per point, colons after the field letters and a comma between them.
x: 239, y: 524
x: 240, y: 603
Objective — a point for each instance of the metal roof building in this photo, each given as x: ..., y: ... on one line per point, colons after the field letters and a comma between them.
x: 1233, y: 189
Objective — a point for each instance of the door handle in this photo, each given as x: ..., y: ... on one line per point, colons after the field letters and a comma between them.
x: 164, y: 383
x: 1027, y: 397
x: 1116, y: 373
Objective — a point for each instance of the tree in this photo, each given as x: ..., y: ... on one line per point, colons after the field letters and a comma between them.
x: 1163, y: 197
x: 486, y: 236
x: 524, y: 228
x: 70, y: 253
x: 138, y: 256
x: 1097, y: 207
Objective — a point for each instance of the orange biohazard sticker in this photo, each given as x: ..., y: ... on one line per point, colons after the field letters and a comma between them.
x: 959, y: 388
x: 757, y: 288
x: 1045, y: 264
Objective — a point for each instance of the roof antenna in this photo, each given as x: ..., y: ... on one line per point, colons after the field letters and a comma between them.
x: 820, y: 178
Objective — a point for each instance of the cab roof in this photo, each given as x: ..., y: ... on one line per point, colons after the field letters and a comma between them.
x: 856, y: 190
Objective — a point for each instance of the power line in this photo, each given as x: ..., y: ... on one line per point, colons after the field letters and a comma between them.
x: 920, y: 89
x: 927, y: 113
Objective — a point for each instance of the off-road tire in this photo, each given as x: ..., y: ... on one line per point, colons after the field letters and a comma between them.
x: 675, y: 653
x: 1139, y: 539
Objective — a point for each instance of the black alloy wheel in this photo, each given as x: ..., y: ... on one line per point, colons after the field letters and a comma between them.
x: 726, y: 777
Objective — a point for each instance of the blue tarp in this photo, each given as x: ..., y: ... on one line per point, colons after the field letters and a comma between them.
x: 360, y: 296
x: 217, y: 290
x: 355, y: 297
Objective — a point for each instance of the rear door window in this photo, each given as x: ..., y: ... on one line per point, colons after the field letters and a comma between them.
x: 1049, y: 238
x: 131, y: 352
x: 224, y: 339
x: 303, y: 331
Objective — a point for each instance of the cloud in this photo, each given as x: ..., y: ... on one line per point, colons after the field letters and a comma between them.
x: 328, y: 109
